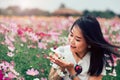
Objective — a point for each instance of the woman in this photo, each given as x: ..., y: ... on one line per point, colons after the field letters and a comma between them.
x: 84, y: 58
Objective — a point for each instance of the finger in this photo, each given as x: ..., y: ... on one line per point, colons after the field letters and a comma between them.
x: 59, y: 56
x: 60, y: 62
x: 53, y: 55
x: 56, y: 60
x: 53, y: 58
x: 56, y: 54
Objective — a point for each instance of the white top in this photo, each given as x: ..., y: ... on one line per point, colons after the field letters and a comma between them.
x: 85, y: 62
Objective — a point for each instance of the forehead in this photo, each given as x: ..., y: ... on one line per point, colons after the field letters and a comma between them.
x: 76, y: 30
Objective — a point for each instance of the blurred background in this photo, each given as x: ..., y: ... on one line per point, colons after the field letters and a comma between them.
x: 29, y: 28
x: 99, y: 8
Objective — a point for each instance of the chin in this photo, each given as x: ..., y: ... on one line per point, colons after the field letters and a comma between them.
x: 73, y: 50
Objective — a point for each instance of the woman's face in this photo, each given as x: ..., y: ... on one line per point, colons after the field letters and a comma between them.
x: 77, y: 41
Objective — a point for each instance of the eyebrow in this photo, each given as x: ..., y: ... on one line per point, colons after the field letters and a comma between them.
x: 76, y: 36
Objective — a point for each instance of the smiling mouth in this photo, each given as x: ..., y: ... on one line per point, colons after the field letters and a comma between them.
x: 72, y: 46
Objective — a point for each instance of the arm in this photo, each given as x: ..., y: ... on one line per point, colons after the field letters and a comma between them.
x: 96, y: 77
x: 63, y: 65
x: 53, y: 75
x: 72, y: 72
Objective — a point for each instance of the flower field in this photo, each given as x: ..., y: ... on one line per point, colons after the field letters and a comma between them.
x: 25, y: 43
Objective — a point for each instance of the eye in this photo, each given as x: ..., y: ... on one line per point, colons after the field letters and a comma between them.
x: 77, y: 40
x: 71, y: 34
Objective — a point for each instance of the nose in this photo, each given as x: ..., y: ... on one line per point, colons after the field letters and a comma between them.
x: 72, y: 41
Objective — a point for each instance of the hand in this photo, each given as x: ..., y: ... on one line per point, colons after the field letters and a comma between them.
x: 61, y: 62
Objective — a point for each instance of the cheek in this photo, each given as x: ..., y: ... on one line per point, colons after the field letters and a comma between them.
x: 81, y: 46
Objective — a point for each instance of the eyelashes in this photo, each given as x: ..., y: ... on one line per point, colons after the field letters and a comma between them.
x: 71, y: 35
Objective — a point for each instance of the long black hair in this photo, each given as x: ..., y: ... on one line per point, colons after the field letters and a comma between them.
x: 99, y: 46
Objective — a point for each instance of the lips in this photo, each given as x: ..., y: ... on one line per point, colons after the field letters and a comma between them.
x: 72, y: 46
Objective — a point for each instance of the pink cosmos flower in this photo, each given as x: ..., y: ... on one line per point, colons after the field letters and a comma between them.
x: 21, y: 78
x: 11, y: 38
x: 32, y: 36
x: 115, y: 60
x: 8, y: 41
x: 1, y: 75
x: 7, y: 78
x: 13, y: 27
x: 3, y: 28
x: 42, y: 45
x: 23, y: 39
x: 41, y: 35
x: 43, y: 78
x: 32, y: 72
x: 11, y: 75
x: 54, y: 35
x: 12, y: 63
x: 20, y: 31
x: 31, y: 46
x: 27, y: 29
x: 5, y: 65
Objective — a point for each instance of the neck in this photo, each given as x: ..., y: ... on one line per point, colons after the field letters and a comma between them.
x: 81, y: 55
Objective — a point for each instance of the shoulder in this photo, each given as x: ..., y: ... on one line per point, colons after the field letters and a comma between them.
x: 87, y: 57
